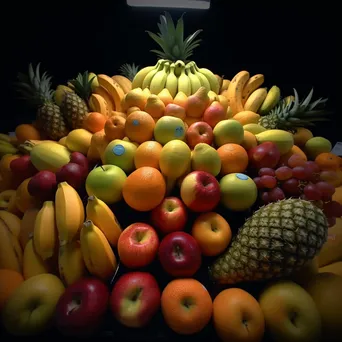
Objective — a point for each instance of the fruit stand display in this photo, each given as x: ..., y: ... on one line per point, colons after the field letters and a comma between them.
x: 170, y: 202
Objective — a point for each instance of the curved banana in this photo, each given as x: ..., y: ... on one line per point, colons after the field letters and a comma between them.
x: 255, y: 100
x: 271, y: 100
x: 104, y: 93
x: 214, y: 84
x: 45, y: 235
x: 113, y: 89
x: 159, y: 79
x: 234, y: 92
x: 27, y: 226
x: 194, y: 80
x: 184, y: 84
x: 204, y: 81
x: 98, y: 104
x: 252, y: 84
x: 171, y: 83
x: 11, y: 254
x: 7, y: 148
x: 69, y: 212
x: 33, y: 264
x: 13, y: 222
x: 102, y: 216
x: 141, y: 74
x: 148, y: 78
x: 124, y: 82
x: 225, y: 85
x: 98, y: 256
x: 71, y: 265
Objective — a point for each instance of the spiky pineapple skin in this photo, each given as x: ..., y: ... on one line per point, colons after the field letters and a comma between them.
x: 275, y: 241
x: 269, y: 121
x: 74, y: 110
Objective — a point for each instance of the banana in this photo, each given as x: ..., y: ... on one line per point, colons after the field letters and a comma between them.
x: 214, y: 84
x: 225, y: 85
x: 27, y: 226
x: 148, y: 78
x: 184, y: 84
x: 271, y: 100
x: 194, y: 80
x: 69, y: 212
x: 255, y: 100
x: 5, y: 137
x: 102, y: 216
x: 33, y: 264
x: 71, y: 265
x: 11, y: 254
x: 97, y: 253
x: 12, y: 222
x: 141, y: 74
x: 172, y: 81
x: 98, y: 104
x: 7, y: 148
x: 45, y: 232
x: 204, y: 81
x: 123, y: 82
x: 5, y: 198
x: 104, y: 93
x: 159, y: 79
x: 234, y: 92
x: 252, y: 84
x: 113, y: 88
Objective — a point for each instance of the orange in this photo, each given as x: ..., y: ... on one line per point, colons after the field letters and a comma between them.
x: 212, y: 233
x: 94, y: 122
x: 237, y: 316
x: 148, y: 154
x: 234, y: 158
x: 186, y: 306
x: 139, y: 126
x: 25, y: 132
x: 328, y: 161
x: 249, y: 140
x: 301, y: 136
x: 144, y: 189
x: 114, y: 127
x: 9, y: 281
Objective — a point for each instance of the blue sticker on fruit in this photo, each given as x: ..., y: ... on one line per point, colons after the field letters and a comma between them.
x: 135, y: 122
x: 241, y: 176
x: 179, y: 131
x: 118, y: 150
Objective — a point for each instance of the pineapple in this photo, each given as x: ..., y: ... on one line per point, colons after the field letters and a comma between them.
x: 36, y: 90
x: 275, y: 241
x: 288, y: 115
x: 129, y: 70
x: 74, y: 104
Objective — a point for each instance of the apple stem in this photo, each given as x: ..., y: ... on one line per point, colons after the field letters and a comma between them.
x: 88, y: 223
x: 102, y: 168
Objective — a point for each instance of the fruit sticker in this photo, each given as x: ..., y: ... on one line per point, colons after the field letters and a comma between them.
x: 241, y: 176
x: 135, y: 122
x: 179, y: 131
x: 118, y: 150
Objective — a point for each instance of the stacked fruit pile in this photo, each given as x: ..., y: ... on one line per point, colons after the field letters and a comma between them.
x: 152, y: 167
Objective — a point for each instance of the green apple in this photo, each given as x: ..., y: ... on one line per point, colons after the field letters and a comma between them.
x: 169, y: 128
x: 120, y: 153
x: 31, y: 307
x: 106, y: 183
x: 290, y: 313
x: 228, y: 131
x: 205, y: 158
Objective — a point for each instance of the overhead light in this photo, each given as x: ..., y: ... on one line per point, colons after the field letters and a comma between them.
x: 191, y: 4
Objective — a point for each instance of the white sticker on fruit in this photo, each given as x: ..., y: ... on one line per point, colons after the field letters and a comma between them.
x: 337, y: 149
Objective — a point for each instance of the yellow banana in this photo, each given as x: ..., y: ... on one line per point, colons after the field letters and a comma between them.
x: 214, y: 83
x: 97, y: 253
x: 141, y: 74
x: 271, y: 100
x: 194, y: 80
x: 5, y: 137
x: 102, y: 216
x: 27, y: 226
x: 7, y: 148
x: 104, y: 93
x: 45, y: 231
x: 149, y: 76
x: 11, y: 254
x: 172, y: 81
x: 184, y: 84
x: 98, y: 104
x: 124, y: 82
x: 70, y: 263
x: 12, y: 222
x: 69, y: 212
x: 204, y: 81
x: 33, y: 264
x: 255, y: 100
x: 252, y: 84
x: 113, y: 88
x: 234, y: 92
x: 159, y: 79
x: 225, y: 85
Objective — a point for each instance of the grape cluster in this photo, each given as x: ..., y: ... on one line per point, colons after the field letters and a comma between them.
x: 301, y: 179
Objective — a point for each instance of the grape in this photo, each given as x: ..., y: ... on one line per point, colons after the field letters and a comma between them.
x: 312, y: 166
x: 325, y: 188
x: 296, y: 160
x: 265, y: 197
x: 283, y: 173
x: 332, y: 209
x: 300, y: 172
x: 331, y: 221
x: 258, y: 183
x: 268, y: 182
x: 266, y: 171
x: 276, y: 194
x: 291, y: 187
x: 312, y: 193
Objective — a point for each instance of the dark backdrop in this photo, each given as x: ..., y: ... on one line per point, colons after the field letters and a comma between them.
x: 292, y: 46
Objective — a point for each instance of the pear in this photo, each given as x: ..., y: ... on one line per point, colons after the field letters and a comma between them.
x: 205, y: 158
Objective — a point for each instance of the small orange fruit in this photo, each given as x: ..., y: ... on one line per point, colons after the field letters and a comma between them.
x: 114, y: 127
x: 94, y: 122
x: 148, y: 154
x: 144, y: 188
x: 186, y: 306
x: 25, y: 132
x: 9, y: 281
x: 234, y: 158
x: 328, y: 161
x: 249, y: 140
x: 301, y: 136
x: 139, y: 126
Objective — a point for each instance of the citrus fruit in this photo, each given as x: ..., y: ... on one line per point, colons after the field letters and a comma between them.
x: 301, y: 136
x: 148, y: 154
x: 94, y: 122
x: 169, y: 128
x: 205, y: 158
x: 25, y: 132
x: 9, y: 281
x: 139, y: 126
x: 249, y: 140
x: 234, y: 158
x: 114, y: 127
x: 228, y: 131
x: 316, y: 146
x: 328, y: 161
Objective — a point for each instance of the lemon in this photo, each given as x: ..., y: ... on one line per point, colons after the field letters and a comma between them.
x: 205, y: 158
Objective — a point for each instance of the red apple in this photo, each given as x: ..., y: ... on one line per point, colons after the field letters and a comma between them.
x: 200, y: 191
x: 170, y: 215
x: 80, y: 159
x: 43, y: 185
x: 180, y: 255
x: 82, y: 307
x: 199, y: 132
x: 214, y: 114
x: 138, y: 245
x: 266, y: 154
x: 22, y: 168
x: 72, y: 173
x: 135, y: 299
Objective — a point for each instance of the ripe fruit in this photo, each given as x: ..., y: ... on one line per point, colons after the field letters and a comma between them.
x: 148, y: 154
x: 9, y: 281
x: 266, y: 154
x: 234, y: 158
x: 139, y: 126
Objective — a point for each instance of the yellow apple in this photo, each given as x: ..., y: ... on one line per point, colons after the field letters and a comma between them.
x: 31, y: 307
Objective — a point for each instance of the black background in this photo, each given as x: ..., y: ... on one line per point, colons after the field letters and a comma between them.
x: 294, y: 47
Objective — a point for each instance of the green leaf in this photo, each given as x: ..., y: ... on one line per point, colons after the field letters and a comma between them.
x: 157, y: 39
x: 180, y: 31
x: 192, y: 37
x: 170, y: 27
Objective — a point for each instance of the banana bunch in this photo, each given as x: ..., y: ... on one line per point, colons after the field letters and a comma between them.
x: 7, y: 145
x: 176, y: 77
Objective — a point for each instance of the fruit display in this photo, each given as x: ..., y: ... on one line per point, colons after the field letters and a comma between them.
x: 169, y: 198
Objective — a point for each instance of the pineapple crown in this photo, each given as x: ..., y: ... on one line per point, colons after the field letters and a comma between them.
x: 129, y: 70
x: 82, y: 85
x: 171, y: 39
